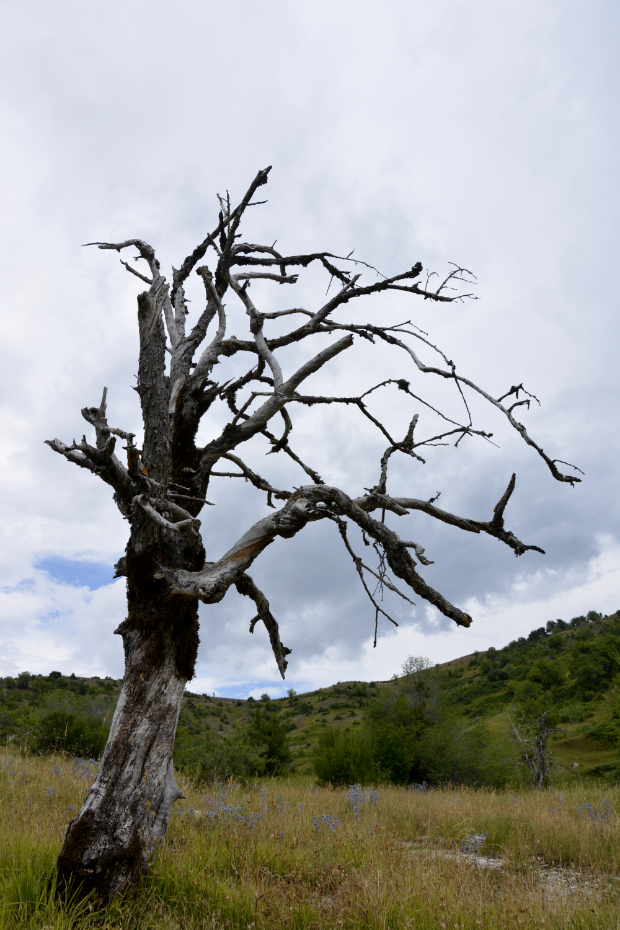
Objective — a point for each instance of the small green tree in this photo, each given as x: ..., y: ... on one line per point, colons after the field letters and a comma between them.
x: 234, y: 756
x: 398, y: 718
x: 547, y: 673
x: 345, y: 757
x: 267, y: 732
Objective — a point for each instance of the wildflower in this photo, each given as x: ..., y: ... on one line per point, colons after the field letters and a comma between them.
x: 83, y: 768
x: 470, y: 846
x: 330, y: 822
x: 602, y: 814
x: 220, y: 808
x: 560, y: 798
x: 357, y: 797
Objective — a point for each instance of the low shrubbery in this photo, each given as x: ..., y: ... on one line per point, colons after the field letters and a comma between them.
x: 74, y: 733
x: 409, y: 735
x: 259, y: 747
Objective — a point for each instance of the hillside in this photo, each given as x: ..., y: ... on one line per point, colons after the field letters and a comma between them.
x: 577, y: 664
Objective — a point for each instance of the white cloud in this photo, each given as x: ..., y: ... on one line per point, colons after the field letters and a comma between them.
x: 45, y: 625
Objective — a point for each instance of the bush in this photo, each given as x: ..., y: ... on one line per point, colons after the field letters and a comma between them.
x: 573, y: 713
x: 447, y: 751
x: 345, y: 757
x: 547, y: 673
x: 268, y: 733
x: 408, y: 736
x: 451, y: 752
x: 608, y: 734
x: 74, y: 733
x: 232, y: 756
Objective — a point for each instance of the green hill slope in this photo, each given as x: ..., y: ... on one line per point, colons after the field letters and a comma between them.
x: 577, y: 664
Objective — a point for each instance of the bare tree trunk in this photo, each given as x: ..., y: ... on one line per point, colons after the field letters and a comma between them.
x: 109, y: 844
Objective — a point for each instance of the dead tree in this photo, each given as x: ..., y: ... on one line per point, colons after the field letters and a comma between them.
x: 161, y: 490
x: 531, y: 739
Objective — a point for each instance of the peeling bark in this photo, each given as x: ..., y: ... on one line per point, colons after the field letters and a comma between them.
x: 111, y: 842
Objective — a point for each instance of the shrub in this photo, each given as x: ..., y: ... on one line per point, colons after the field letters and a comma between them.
x: 606, y: 733
x: 267, y: 732
x: 70, y: 732
x: 573, y: 713
x: 234, y: 756
x: 345, y: 757
x: 547, y: 673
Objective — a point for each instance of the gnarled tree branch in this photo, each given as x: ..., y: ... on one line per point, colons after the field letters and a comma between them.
x: 246, y: 586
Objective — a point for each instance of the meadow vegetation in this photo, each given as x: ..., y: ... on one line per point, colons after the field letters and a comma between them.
x: 376, y: 805
x: 282, y: 853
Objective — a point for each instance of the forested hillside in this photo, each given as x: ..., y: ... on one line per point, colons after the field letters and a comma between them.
x: 447, y: 722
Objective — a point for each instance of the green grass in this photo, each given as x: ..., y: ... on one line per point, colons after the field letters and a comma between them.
x: 395, y: 866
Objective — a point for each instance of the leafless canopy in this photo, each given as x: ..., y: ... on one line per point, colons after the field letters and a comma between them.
x: 169, y: 479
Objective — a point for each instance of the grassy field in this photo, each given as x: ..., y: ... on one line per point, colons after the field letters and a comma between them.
x: 284, y: 854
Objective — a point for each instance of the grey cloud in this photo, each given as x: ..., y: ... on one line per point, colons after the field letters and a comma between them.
x: 480, y: 134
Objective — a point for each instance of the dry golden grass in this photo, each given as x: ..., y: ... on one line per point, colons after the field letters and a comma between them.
x: 256, y: 858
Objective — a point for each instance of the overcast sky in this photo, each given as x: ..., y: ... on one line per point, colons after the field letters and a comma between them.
x: 481, y: 133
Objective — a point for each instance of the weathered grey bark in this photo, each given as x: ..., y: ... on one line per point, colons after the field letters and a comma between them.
x: 162, y: 491
x: 534, y: 754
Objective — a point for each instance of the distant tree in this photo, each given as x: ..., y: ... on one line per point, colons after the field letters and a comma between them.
x: 532, y: 741
x: 161, y: 488
x: 532, y: 722
x: 547, y: 673
x: 414, y: 667
x: 268, y: 733
x: 233, y: 756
